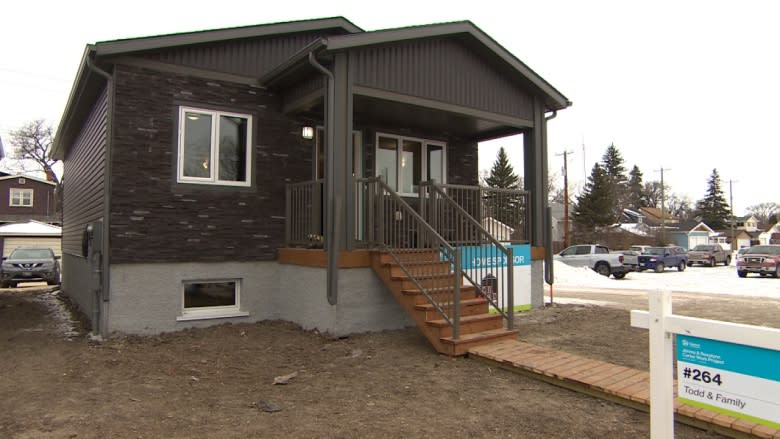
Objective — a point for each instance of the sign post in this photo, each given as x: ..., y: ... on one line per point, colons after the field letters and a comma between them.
x: 724, y: 367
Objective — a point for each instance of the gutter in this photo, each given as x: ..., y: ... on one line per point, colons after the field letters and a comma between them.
x: 332, y: 212
x: 102, y: 295
x: 549, y: 275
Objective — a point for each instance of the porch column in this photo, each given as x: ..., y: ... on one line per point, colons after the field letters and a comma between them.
x: 341, y: 166
x: 535, y: 172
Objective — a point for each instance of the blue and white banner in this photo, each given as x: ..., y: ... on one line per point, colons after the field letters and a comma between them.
x: 478, y: 261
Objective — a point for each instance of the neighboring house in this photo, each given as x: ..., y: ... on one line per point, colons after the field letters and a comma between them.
x: 689, y: 234
x: 771, y: 235
x: 748, y: 223
x: 30, y: 234
x: 734, y: 239
x: 497, y: 229
x: 653, y: 217
x: 24, y: 198
x: 178, y: 150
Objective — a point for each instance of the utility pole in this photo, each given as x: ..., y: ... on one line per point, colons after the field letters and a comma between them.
x: 733, y: 220
x: 565, y: 155
x: 663, y: 206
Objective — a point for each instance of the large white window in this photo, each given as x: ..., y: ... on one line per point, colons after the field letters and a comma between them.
x: 208, y: 299
x: 403, y: 162
x: 21, y: 197
x: 214, y: 147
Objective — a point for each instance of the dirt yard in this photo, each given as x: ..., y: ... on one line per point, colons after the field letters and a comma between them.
x: 219, y: 382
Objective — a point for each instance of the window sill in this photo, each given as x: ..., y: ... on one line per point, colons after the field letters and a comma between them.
x: 211, y: 315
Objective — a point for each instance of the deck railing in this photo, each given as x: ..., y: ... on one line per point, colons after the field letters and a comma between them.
x: 303, y: 221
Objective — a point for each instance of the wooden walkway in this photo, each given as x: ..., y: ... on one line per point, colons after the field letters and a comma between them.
x: 620, y: 384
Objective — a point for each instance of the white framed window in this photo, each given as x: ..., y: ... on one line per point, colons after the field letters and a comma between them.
x: 214, y: 147
x: 211, y: 299
x: 21, y: 197
x: 403, y: 162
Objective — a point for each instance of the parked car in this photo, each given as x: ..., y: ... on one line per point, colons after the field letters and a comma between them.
x: 639, y: 248
x: 709, y: 254
x: 597, y: 257
x: 761, y: 259
x: 30, y: 264
x: 658, y: 258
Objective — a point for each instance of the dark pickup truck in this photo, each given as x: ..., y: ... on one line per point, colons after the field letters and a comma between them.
x: 658, y: 258
x: 709, y: 254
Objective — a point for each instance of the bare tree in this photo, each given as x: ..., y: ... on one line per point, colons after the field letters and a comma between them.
x: 31, y: 145
x: 679, y: 206
x: 764, y: 211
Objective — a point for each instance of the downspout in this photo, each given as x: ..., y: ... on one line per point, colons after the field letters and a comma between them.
x: 549, y: 275
x: 331, y: 225
x: 102, y: 295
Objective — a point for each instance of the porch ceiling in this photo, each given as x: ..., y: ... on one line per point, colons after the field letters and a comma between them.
x: 418, y: 120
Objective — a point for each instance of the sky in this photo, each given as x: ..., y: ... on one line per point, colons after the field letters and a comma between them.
x: 684, y: 86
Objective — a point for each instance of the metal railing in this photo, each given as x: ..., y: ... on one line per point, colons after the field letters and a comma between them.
x: 466, y: 217
x: 303, y: 220
x: 430, y: 263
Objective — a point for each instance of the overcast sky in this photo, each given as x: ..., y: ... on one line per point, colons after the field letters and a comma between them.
x: 687, y: 86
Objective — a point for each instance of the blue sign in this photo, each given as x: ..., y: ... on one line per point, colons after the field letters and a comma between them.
x: 488, y: 256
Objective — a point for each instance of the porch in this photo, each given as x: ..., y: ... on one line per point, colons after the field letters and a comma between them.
x: 449, y: 256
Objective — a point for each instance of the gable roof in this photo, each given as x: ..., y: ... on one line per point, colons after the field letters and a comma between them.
x: 30, y: 228
x: 554, y: 100
x: 40, y: 180
x: 341, y: 35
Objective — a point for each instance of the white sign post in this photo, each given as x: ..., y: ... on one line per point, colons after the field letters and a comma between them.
x: 724, y: 367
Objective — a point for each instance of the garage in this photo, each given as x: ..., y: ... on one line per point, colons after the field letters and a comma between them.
x: 31, y: 234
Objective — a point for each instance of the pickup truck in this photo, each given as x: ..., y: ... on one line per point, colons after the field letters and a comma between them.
x: 658, y: 258
x: 597, y: 257
x: 709, y: 254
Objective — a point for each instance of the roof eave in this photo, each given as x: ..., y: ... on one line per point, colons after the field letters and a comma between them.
x: 159, y: 42
x: 58, y: 151
x: 294, y: 62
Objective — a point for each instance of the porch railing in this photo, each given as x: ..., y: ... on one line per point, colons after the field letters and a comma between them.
x: 303, y: 224
x: 487, y: 263
x: 432, y: 265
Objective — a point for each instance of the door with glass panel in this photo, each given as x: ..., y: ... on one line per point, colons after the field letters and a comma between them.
x: 357, y: 172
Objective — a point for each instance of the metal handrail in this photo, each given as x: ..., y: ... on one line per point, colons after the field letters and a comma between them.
x: 303, y: 214
x: 490, y: 269
x: 420, y: 252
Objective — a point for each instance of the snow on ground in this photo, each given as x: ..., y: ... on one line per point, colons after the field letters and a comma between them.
x: 696, y: 279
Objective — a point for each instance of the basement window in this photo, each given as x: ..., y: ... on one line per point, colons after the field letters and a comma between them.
x: 214, y: 147
x: 211, y: 299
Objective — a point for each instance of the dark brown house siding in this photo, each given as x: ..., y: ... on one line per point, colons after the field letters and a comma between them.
x: 443, y: 70
x: 154, y: 218
x: 43, y: 200
x: 83, y: 194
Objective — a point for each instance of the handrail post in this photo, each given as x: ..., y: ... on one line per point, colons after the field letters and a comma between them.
x: 380, y: 210
x: 510, y: 279
x: 456, y: 305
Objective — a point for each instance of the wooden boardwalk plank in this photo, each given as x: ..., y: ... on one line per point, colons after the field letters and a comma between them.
x: 608, y: 380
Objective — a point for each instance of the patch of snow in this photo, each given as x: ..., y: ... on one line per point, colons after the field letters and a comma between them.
x: 696, y: 279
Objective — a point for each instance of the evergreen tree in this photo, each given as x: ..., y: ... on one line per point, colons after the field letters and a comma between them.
x: 502, y: 175
x: 616, y: 174
x: 635, y: 198
x: 594, y: 207
x: 713, y: 208
x: 504, y: 207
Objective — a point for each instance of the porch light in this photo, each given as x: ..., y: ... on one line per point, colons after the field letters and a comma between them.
x: 307, y: 132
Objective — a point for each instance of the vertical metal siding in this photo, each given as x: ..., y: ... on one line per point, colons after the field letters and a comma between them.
x: 443, y: 70
x: 84, y: 179
x: 249, y: 57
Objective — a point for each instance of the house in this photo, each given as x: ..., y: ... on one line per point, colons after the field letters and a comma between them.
x: 653, y: 217
x: 30, y: 234
x: 195, y: 162
x: 24, y: 198
x: 689, y: 234
x: 748, y: 223
x: 771, y: 235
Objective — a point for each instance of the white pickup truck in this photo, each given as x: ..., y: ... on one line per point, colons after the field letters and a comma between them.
x: 597, y: 257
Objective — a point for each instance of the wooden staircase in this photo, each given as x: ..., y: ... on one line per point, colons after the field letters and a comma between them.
x: 477, y: 325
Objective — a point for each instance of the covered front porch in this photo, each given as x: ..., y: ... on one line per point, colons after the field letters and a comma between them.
x: 395, y: 119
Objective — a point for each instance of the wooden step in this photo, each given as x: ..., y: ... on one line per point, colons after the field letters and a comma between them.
x: 468, y: 307
x: 418, y: 269
x: 411, y: 255
x: 433, y: 280
x: 469, y: 324
x: 462, y: 345
x: 466, y: 292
